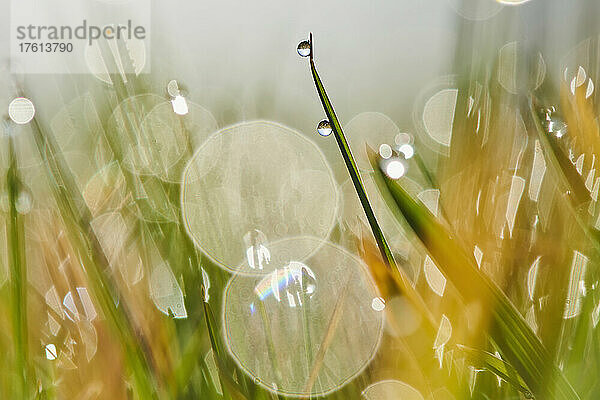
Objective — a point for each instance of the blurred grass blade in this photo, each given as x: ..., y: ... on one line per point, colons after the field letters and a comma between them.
x: 229, y: 385
x: 77, y: 219
x: 18, y: 274
x: 398, y: 275
x: 350, y: 164
x: 387, y: 281
x: 327, y: 338
x: 517, y: 342
x: 568, y: 177
x: 569, y: 180
x: 499, y: 367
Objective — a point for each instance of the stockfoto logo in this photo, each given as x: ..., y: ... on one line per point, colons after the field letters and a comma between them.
x: 43, y: 41
x: 83, y: 31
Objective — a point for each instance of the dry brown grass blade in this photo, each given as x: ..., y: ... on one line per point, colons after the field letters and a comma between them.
x: 327, y: 339
x: 385, y: 277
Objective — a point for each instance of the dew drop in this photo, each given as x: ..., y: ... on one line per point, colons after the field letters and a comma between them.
x: 407, y: 150
x: 24, y: 202
x: 173, y: 88
x: 324, y: 128
x: 180, y: 105
x: 21, y: 110
x: 385, y: 151
x: 304, y: 48
x: 394, y: 168
x: 556, y: 126
x: 378, y: 304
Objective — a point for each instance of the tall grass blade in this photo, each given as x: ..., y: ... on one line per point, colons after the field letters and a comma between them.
x: 350, y: 163
x: 18, y: 275
x: 230, y: 386
x: 515, y: 339
x: 77, y: 218
x: 497, y: 366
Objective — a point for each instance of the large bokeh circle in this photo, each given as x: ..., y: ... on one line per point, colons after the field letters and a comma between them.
x: 308, y: 327
x: 252, y: 184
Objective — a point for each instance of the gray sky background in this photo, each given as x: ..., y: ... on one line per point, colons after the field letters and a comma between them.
x: 373, y: 56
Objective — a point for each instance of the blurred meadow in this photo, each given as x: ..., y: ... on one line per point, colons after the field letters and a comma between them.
x: 402, y: 204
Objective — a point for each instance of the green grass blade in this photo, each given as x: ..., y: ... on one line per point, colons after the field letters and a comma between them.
x: 77, y: 219
x: 497, y: 366
x: 229, y: 385
x: 569, y: 179
x: 350, y: 163
x: 18, y: 275
x: 517, y: 342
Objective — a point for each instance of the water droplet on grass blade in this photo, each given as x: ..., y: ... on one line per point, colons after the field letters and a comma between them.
x: 21, y: 110
x: 556, y: 126
x: 293, y: 337
x: 180, y: 106
x: 407, y: 150
x: 173, y: 88
x: 324, y: 128
x: 378, y: 304
x: 385, y: 151
x: 394, y: 168
x: 304, y: 48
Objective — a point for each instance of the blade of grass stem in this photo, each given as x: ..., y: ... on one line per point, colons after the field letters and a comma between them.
x: 398, y: 275
x: 350, y: 163
x: 497, y: 366
x: 18, y: 275
x: 327, y: 338
x: 515, y: 339
x: 77, y: 219
x: 270, y: 343
x: 569, y: 180
x: 229, y: 385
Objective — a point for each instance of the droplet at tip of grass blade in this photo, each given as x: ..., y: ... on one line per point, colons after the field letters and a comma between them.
x: 350, y: 163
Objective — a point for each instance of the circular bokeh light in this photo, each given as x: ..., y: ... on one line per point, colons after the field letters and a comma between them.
x: 308, y: 327
x: 252, y: 184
